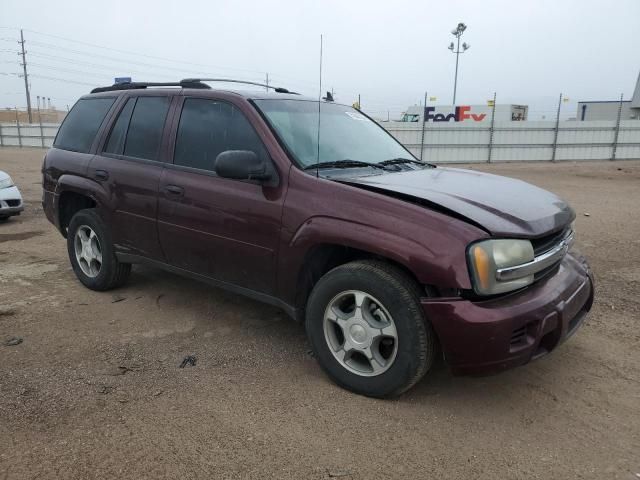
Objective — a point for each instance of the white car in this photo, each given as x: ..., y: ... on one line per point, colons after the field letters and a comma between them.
x: 10, y: 198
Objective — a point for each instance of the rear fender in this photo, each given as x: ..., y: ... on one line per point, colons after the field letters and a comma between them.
x: 86, y: 187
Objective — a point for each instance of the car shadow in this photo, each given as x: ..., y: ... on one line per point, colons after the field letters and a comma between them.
x: 280, y: 331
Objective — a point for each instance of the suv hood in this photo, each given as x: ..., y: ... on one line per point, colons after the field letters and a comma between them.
x: 503, y: 206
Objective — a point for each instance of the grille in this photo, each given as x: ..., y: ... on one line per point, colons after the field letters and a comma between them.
x: 547, y: 271
x: 13, y: 203
x: 546, y: 243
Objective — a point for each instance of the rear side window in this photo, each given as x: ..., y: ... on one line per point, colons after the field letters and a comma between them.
x: 145, y: 127
x: 82, y: 123
x: 208, y: 128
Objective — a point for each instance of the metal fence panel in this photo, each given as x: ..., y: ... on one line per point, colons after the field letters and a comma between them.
x: 28, y: 135
x: 453, y: 142
x: 521, y: 141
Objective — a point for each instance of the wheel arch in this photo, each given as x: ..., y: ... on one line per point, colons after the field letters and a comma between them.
x: 321, y: 258
x: 74, y: 194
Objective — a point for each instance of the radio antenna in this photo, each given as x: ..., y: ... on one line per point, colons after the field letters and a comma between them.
x: 319, y: 100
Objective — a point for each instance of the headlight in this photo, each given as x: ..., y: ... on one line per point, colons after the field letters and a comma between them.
x: 6, y: 183
x: 486, y: 257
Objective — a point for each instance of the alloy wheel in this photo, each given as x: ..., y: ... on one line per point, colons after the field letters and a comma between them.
x: 360, y: 333
x: 88, y: 251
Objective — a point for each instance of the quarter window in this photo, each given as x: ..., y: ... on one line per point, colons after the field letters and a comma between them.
x: 82, y: 123
x: 208, y: 128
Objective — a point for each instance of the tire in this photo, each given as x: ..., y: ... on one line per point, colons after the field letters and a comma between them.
x: 388, y: 296
x: 106, y: 274
x: 3, y: 219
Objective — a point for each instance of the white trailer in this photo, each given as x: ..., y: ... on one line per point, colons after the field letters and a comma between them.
x: 465, y: 113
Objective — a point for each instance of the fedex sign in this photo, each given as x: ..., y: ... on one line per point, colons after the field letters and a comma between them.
x: 461, y: 114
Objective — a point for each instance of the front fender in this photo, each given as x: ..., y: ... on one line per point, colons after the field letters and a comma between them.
x: 331, y: 230
x: 434, y: 257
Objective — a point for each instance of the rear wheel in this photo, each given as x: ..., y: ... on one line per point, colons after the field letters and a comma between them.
x: 367, y: 329
x: 91, y: 253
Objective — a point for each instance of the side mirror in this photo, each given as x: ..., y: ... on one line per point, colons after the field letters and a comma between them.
x: 241, y: 165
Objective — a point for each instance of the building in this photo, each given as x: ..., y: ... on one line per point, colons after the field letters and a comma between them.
x: 465, y: 113
x: 608, y: 109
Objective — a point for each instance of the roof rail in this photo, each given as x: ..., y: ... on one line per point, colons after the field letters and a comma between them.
x: 138, y: 85
x: 230, y: 80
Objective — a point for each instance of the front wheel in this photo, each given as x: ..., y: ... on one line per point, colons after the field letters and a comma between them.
x: 91, y: 253
x: 367, y: 329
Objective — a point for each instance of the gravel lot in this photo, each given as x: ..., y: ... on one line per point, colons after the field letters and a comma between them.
x: 94, y: 390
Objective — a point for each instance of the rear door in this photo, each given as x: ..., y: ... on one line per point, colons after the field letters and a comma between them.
x: 222, y: 228
x: 129, y: 165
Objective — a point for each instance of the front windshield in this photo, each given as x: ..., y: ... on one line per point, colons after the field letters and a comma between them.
x: 345, y: 134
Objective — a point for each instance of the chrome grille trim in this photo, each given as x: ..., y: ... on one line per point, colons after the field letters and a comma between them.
x: 539, y: 263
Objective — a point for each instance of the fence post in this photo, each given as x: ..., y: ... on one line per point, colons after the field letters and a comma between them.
x: 424, y: 118
x: 555, y: 136
x: 493, y: 117
x: 614, y: 148
x: 18, y: 127
x: 41, y: 130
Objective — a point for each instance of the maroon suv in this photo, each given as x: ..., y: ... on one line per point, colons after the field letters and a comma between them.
x: 312, y: 207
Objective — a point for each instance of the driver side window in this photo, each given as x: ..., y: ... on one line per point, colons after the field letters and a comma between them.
x: 210, y: 127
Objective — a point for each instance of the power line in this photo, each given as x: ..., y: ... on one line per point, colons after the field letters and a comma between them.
x: 121, y: 61
x: 109, y: 68
x: 77, y: 62
x: 70, y: 70
x: 172, y: 60
x: 129, y: 61
x: 65, y: 80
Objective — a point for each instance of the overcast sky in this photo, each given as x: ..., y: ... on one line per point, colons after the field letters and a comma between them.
x: 388, y: 51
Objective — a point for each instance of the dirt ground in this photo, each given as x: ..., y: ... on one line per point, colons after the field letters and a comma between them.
x: 94, y: 390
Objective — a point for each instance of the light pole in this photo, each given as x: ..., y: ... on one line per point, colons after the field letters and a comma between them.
x: 457, y: 32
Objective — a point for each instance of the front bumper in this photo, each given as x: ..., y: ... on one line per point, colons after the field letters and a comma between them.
x: 10, y: 202
x: 497, y: 334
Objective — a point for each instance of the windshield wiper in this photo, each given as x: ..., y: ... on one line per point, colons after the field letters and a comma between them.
x: 345, y: 164
x: 400, y: 160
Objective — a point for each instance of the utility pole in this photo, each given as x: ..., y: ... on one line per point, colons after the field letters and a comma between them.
x: 267, y: 82
x: 26, y: 79
x: 457, y: 32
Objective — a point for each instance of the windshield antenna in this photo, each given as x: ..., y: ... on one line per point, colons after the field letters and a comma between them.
x: 319, y: 100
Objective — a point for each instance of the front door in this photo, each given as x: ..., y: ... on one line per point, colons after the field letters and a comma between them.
x: 129, y: 168
x: 225, y: 229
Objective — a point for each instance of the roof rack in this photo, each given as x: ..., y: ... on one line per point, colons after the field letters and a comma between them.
x: 138, y: 85
x: 230, y: 80
x: 184, y: 83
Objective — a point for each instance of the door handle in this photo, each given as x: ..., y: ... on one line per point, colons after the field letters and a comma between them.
x: 174, y: 190
x: 101, y: 174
